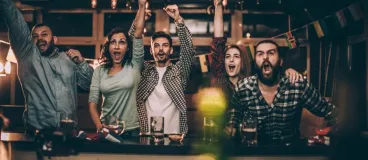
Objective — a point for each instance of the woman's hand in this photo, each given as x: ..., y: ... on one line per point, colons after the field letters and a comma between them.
x: 293, y: 75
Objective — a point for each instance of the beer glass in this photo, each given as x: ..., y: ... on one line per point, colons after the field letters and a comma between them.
x: 248, y: 131
x: 114, y: 124
x: 157, y: 128
x: 66, y: 123
x: 209, y: 130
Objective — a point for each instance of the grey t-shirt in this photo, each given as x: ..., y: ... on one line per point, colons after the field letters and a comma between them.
x: 120, y: 90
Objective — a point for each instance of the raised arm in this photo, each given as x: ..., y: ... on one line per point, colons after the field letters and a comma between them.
x: 147, y: 15
x: 19, y: 34
x: 218, y: 20
x: 138, y: 47
x: 217, y: 64
x: 83, y: 70
x: 186, y: 45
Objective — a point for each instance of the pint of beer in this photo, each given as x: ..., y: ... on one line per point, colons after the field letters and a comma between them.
x: 157, y: 128
x: 248, y: 131
x: 209, y: 130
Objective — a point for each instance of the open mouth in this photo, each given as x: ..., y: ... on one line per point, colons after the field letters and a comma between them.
x: 267, y: 68
x: 161, y: 55
x: 117, y: 55
x: 41, y: 45
x: 231, y: 67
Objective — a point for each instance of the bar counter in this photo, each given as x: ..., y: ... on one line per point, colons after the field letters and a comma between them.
x: 191, y: 148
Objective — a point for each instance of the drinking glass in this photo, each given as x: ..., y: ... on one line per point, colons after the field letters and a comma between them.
x: 248, y: 131
x: 66, y: 122
x: 157, y: 128
x: 209, y: 130
x: 114, y: 124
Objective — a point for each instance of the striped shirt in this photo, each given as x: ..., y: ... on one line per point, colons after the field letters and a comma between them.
x: 280, y: 121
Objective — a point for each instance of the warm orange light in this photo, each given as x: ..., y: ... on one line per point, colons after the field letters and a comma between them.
x: 7, y: 67
x: 128, y: 5
x: 1, y: 68
x: 113, y: 4
x: 248, y: 35
x: 94, y: 3
x: 224, y: 3
x: 11, y: 57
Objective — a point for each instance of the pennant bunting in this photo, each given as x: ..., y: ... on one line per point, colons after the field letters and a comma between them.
x: 321, y: 28
x: 356, y: 11
x: 204, y: 63
x: 290, y: 40
x: 341, y: 19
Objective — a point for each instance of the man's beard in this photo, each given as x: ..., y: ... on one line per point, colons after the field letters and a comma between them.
x: 159, y: 60
x: 49, y: 50
x: 269, y: 81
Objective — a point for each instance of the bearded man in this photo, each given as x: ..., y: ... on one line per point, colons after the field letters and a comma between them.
x: 275, y: 103
x: 49, y: 77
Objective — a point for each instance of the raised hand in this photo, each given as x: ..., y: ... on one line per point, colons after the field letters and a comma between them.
x: 140, y: 18
x: 293, y: 75
x: 147, y: 14
x: 75, y: 56
x: 142, y: 3
x: 219, y: 2
x: 173, y: 11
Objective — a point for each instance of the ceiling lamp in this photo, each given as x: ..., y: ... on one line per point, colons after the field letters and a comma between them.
x: 128, y: 4
x: 93, y: 3
x: 113, y: 4
x: 240, y: 4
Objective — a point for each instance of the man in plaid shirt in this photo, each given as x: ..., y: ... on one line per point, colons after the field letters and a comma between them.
x: 161, y: 89
x: 276, y: 103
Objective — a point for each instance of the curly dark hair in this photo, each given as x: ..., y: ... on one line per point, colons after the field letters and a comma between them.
x: 106, y: 53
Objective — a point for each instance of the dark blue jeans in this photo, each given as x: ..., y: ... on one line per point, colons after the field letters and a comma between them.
x: 131, y: 133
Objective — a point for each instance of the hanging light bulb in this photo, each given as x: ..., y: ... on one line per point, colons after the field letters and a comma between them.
x: 113, y: 4
x: 280, y: 1
x: 7, y: 67
x: 209, y: 9
x: 248, y: 35
x: 240, y: 4
x: 128, y: 4
x: 224, y: 3
x: 257, y: 1
x: 93, y: 3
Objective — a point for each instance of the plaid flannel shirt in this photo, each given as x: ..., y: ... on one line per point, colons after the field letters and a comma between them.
x: 280, y: 121
x: 219, y: 77
x: 174, y: 80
